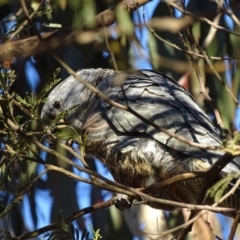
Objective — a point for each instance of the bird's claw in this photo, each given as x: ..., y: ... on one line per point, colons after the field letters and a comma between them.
x: 123, y: 202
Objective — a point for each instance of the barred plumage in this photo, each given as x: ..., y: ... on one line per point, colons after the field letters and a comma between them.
x: 136, y: 153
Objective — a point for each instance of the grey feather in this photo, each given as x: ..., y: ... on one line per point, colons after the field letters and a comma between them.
x: 136, y: 153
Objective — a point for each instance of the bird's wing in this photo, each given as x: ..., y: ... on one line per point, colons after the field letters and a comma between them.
x: 164, y: 102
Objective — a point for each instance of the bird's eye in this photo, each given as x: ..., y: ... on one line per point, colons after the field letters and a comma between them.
x: 57, y: 105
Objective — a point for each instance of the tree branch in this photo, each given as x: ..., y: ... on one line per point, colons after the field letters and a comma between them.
x: 49, y: 41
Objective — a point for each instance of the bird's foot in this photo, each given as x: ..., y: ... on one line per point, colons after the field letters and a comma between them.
x: 123, y: 202
x: 131, y: 5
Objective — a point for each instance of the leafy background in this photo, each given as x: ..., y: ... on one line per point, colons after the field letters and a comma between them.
x: 134, y: 46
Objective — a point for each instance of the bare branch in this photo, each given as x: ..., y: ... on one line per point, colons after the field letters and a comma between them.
x: 68, y: 220
x: 234, y: 227
x: 48, y: 41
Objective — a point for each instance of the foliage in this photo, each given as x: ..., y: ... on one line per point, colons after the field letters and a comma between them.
x: 196, y: 49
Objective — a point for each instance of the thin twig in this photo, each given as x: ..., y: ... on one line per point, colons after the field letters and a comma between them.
x: 185, y: 225
x: 234, y: 227
x: 24, y: 24
x: 74, y: 216
x: 115, y: 65
x: 116, y: 187
x: 200, y: 18
x: 29, y: 19
x: 219, y: 78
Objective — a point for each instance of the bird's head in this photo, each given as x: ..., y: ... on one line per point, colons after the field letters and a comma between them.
x: 64, y: 101
x: 68, y: 99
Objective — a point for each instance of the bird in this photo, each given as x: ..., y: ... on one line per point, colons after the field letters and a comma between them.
x: 137, y: 153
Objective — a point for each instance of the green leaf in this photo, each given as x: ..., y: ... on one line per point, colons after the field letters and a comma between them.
x: 18, y: 118
x: 218, y: 189
x: 124, y: 21
x: 65, y: 133
x: 96, y: 234
x: 88, y: 12
x: 53, y: 81
x: 31, y: 99
x: 61, y: 222
x: 21, y: 100
x: 153, y: 49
